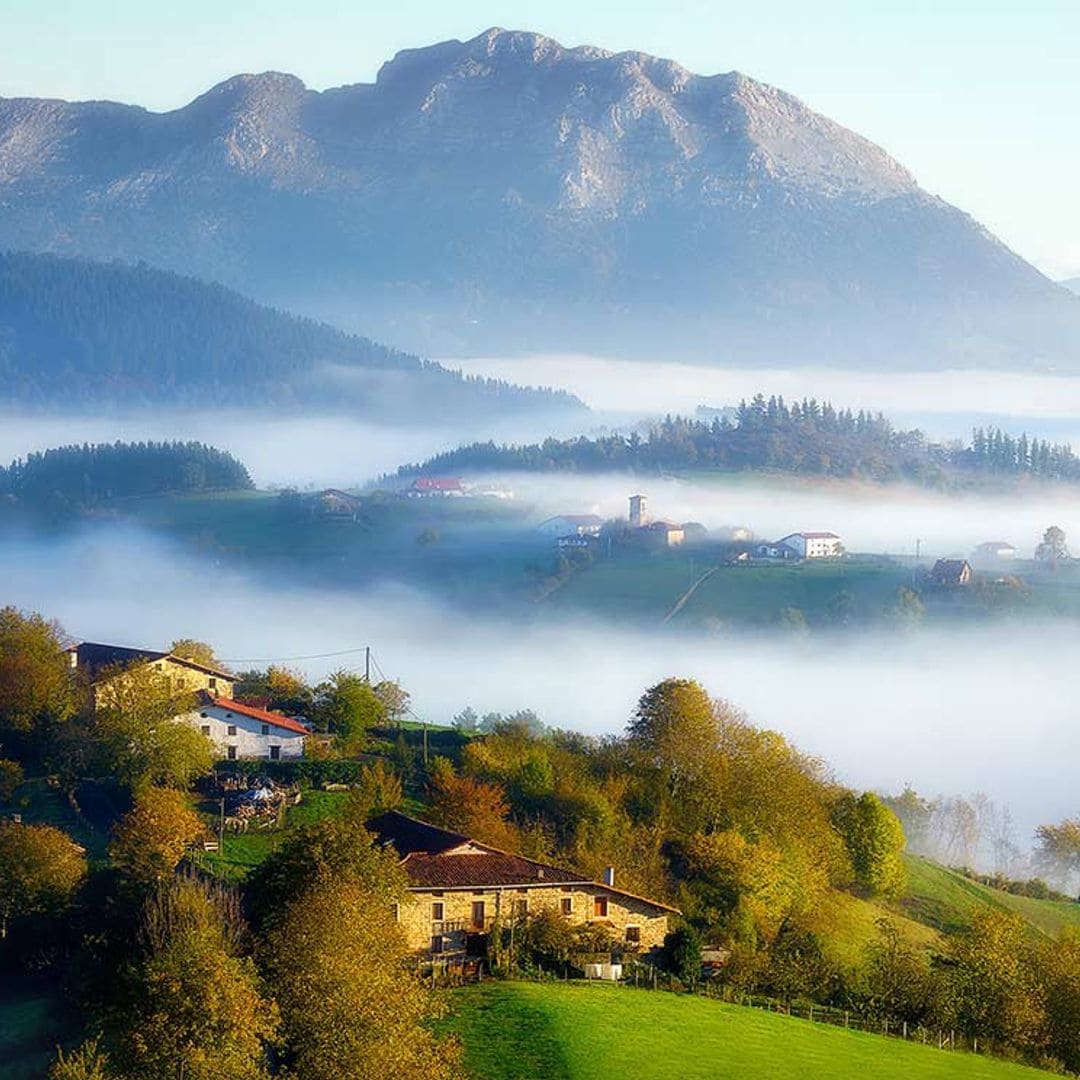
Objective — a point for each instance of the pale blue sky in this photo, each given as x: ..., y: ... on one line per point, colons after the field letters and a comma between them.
x: 981, y: 100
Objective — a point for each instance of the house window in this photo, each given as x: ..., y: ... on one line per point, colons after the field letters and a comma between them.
x: 437, y: 944
x: 266, y: 729
x: 396, y: 909
x: 232, y: 753
x: 600, y: 907
x: 275, y: 753
x: 213, y: 683
x: 478, y: 914
x: 633, y: 935
x: 438, y: 911
x: 205, y: 729
x: 232, y: 729
x: 568, y: 905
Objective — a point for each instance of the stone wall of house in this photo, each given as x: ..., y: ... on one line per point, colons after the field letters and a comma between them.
x: 181, y: 678
x: 418, y: 919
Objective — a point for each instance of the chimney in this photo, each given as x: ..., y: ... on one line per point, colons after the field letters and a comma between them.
x: 637, y: 511
x: 609, y: 876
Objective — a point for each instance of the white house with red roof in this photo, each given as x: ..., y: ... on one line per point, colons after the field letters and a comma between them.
x: 814, y: 545
x: 437, y: 487
x: 244, y: 733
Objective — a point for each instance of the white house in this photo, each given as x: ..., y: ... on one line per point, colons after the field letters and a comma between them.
x: 572, y: 525
x: 813, y: 545
x: 243, y: 732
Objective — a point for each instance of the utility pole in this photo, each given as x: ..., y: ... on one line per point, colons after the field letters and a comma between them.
x: 367, y: 664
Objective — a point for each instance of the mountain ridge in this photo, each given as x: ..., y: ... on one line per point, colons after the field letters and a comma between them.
x: 75, y: 333
x: 507, y: 192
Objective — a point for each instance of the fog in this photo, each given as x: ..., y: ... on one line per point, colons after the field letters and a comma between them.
x: 878, y: 520
x: 943, y: 403
x: 987, y: 709
x: 300, y: 451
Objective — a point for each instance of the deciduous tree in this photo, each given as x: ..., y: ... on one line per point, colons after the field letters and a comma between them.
x: 150, y: 840
x: 189, y: 1005
x: 351, y: 1008
x: 40, y: 869
x: 36, y: 684
x: 472, y: 807
x: 136, y: 720
x: 874, y: 839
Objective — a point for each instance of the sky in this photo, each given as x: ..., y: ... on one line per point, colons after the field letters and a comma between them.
x: 979, y: 99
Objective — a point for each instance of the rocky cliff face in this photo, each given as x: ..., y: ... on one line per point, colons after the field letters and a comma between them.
x: 506, y: 192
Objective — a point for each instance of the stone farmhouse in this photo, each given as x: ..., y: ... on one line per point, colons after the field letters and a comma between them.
x: 461, y: 890
x: 101, y: 664
x: 238, y: 731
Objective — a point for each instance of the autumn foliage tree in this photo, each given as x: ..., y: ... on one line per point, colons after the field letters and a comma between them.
x: 36, y: 686
x: 189, y: 1003
x: 469, y: 806
x: 151, y: 839
x: 145, y: 744
x: 875, y: 843
x: 324, y: 906
x: 40, y: 869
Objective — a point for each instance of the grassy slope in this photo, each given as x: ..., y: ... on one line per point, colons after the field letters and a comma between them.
x: 647, y: 585
x: 512, y: 1031
x: 941, y: 898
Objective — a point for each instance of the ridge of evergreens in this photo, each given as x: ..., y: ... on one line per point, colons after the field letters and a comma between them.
x: 807, y: 437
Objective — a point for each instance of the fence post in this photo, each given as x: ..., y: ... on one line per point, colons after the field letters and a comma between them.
x: 905, y: 1029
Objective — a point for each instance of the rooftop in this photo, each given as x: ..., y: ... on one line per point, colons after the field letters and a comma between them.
x: 267, y: 717
x: 436, y: 858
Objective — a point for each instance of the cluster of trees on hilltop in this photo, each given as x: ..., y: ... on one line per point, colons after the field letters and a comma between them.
x: 74, y: 478
x: 75, y: 332
x: 807, y: 437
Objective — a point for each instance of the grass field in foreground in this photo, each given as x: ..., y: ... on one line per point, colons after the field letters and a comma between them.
x: 577, y: 1031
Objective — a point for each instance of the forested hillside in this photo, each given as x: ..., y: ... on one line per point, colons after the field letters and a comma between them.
x: 808, y: 437
x: 79, y: 333
x: 74, y: 478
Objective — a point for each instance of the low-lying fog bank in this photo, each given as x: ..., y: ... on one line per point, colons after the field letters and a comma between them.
x: 944, y: 403
x: 869, y: 519
x: 318, y: 450
x: 989, y: 709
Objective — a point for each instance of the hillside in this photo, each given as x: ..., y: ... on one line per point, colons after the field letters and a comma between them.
x: 512, y: 1031
x: 1072, y: 284
x: 509, y: 193
x: 76, y: 333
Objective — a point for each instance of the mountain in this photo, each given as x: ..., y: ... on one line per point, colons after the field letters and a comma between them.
x: 1072, y: 284
x: 76, y: 333
x: 506, y: 193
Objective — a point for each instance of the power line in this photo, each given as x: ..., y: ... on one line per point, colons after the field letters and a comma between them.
x: 284, y: 659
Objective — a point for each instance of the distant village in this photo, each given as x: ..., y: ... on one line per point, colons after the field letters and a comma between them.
x: 590, y: 532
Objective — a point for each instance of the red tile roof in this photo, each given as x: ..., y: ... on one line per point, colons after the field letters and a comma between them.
x: 437, y: 483
x: 431, y: 860
x: 276, y: 719
x: 487, y: 869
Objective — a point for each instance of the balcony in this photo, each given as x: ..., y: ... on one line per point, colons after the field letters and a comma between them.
x: 462, y: 926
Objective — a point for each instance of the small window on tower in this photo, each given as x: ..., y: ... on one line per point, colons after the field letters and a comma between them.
x: 232, y: 729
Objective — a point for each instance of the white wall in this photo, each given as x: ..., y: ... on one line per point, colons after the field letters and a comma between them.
x: 249, y: 739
